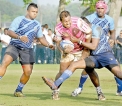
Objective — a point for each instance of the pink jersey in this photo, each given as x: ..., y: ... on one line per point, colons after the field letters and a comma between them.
x: 78, y: 26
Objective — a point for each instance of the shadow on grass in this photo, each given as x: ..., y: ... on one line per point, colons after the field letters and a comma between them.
x: 89, y: 98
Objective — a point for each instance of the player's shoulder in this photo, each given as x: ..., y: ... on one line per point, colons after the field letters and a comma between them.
x: 108, y: 17
x: 91, y: 15
x: 19, y: 17
x: 59, y: 26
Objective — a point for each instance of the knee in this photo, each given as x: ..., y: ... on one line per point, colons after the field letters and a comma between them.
x: 89, y: 63
x: 28, y: 72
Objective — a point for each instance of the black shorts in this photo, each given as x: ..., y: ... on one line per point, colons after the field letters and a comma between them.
x: 26, y: 55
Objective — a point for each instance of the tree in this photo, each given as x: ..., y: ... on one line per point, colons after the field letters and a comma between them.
x: 115, y: 10
x: 26, y: 2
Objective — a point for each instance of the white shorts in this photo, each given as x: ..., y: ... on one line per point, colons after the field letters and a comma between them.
x: 71, y: 57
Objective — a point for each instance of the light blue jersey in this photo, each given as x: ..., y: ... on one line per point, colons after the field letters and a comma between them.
x: 23, y: 26
x: 106, y: 24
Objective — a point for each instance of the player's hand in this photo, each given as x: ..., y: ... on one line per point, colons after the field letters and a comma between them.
x: 111, y: 42
x: 65, y: 34
x: 74, y: 39
x: 24, y: 38
x: 52, y: 47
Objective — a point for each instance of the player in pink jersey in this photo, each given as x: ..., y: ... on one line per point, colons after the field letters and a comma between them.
x: 67, y: 28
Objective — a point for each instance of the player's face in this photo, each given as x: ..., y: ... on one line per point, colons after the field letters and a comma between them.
x: 66, y: 22
x: 100, y: 12
x: 32, y: 13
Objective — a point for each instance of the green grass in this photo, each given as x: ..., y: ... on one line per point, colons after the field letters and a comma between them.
x: 39, y: 94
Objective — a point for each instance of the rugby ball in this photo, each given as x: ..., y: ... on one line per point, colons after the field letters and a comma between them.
x: 67, y: 44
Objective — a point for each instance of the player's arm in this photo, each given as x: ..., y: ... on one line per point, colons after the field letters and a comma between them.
x: 44, y: 42
x: 92, y: 42
x: 86, y: 51
x: 91, y: 45
x: 112, y: 38
x: 96, y: 33
x: 13, y: 28
x: 112, y: 33
x: 57, y: 39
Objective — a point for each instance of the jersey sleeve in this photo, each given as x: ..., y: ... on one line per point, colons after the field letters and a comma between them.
x: 58, y: 34
x: 39, y: 33
x: 83, y: 26
x: 15, y: 24
x: 112, y: 27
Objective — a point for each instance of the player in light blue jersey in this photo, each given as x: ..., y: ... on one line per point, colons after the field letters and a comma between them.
x: 107, y: 24
x: 23, y: 30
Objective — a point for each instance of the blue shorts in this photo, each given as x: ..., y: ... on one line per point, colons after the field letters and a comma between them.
x: 103, y: 59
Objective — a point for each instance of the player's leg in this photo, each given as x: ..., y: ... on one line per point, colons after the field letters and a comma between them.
x: 7, y: 60
x: 83, y: 78
x: 115, y: 69
x: 64, y: 64
x: 9, y: 56
x: 95, y: 80
x: 112, y: 65
x: 79, y: 89
x: 27, y: 70
x: 66, y: 74
x: 27, y: 61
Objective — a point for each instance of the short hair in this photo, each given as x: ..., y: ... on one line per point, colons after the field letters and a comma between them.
x: 85, y: 19
x: 32, y: 5
x: 64, y: 14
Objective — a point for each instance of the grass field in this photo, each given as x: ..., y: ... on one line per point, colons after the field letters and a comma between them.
x: 39, y: 94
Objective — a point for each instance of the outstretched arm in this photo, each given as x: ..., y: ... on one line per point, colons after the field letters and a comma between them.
x: 44, y: 42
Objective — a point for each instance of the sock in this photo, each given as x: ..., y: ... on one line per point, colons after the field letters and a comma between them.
x: 119, y: 84
x: 98, y: 89
x: 66, y: 74
x: 83, y: 79
x: 0, y: 77
x: 20, y: 87
x: 57, y: 91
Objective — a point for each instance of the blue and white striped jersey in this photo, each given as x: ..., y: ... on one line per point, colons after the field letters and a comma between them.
x: 106, y: 23
x: 23, y: 26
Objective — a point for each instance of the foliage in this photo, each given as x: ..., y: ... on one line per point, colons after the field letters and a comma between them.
x: 91, y: 4
x: 9, y: 11
x: 26, y: 2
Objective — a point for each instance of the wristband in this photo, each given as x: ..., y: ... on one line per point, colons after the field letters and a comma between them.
x: 18, y: 37
x: 80, y: 42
